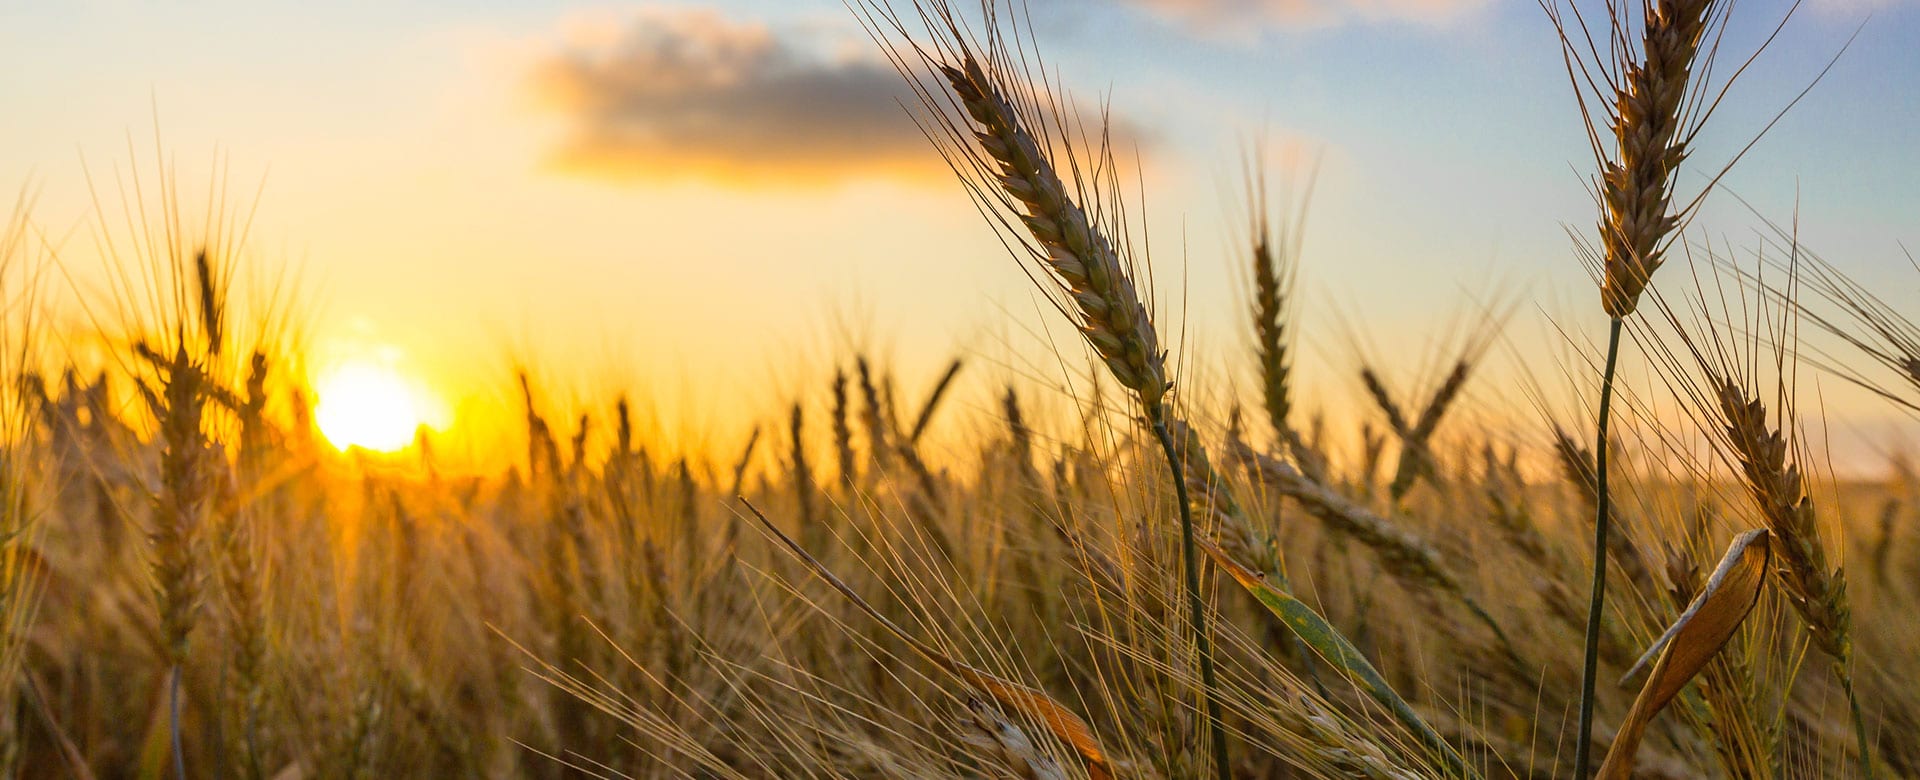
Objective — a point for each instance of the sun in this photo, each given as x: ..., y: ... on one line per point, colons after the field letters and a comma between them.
x: 369, y: 406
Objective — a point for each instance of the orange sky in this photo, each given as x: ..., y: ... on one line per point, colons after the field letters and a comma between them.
x: 717, y: 196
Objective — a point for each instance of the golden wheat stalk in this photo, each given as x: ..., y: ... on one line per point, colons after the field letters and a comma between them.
x: 1816, y: 589
x: 1011, y: 173
x: 1083, y: 260
x: 1275, y: 255
x: 1725, y: 398
x: 843, y: 432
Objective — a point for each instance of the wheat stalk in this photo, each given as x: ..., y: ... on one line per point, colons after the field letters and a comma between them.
x: 1651, y: 109
x: 1649, y: 120
x: 1082, y: 259
x: 181, y: 508
x: 802, y: 471
x: 843, y: 431
x: 1272, y: 290
x: 873, y: 415
x: 1275, y: 259
x: 1010, y: 171
x: 1729, y: 350
x: 1816, y: 589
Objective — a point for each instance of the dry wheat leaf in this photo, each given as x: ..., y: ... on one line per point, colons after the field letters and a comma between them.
x: 1695, y: 637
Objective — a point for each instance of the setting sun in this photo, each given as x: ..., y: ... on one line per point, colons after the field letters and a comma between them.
x: 368, y: 406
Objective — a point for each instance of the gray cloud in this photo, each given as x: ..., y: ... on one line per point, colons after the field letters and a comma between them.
x: 668, y: 94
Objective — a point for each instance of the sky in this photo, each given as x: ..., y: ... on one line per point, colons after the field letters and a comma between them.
x: 700, y: 202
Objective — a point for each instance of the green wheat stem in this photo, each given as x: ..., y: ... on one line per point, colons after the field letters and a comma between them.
x: 1859, y: 721
x: 173, y: 722
x: 1203, y: 643
x: 1591, y: 666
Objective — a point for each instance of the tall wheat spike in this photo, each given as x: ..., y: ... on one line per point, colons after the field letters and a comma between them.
x: 180, y: 395
x: 1652, y: 117
x: 843, y: 433
x: 1275, y: 256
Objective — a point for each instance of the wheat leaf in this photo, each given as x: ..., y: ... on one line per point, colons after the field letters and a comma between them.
x: 1336, y: 650
x: 1695, y: 637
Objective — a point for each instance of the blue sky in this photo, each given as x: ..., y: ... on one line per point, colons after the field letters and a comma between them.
x: 411, y: 158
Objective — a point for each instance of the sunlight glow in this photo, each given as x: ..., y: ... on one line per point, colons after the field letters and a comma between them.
x: 369, y: 406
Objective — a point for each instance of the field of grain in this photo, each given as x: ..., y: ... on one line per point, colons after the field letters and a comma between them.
x: 1133, y: 578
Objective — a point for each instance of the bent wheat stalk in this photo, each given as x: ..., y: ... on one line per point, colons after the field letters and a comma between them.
x: 1725, y: 397
x: 1817, y: 591
x: 1001, y: 150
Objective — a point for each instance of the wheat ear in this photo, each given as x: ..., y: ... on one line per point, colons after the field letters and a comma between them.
x: 1817, y: 591
x: 1109, y: 310
x: 1275, y: 255
x: 1408, y: 557
x: 843, y: 432
x: 1648, y: 119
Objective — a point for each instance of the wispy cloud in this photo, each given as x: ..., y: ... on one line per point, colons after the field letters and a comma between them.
x: 684, y: 93
x: 1248, y: 19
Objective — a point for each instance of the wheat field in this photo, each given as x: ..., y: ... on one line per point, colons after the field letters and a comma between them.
x: 1148, y: 568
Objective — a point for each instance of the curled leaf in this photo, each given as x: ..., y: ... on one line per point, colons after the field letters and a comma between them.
x: 1063, y: 723
x: 1691, y: 642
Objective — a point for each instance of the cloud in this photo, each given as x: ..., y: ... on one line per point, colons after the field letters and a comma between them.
x: 683, y: 93
x: 1247, y: 19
